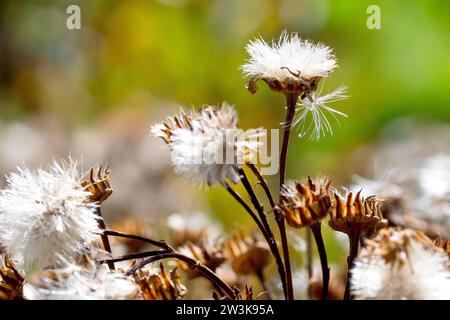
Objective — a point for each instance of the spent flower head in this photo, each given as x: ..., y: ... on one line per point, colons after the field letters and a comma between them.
x: 304, y: 204
x: 291, y: 65
x: 86, y: 282
x: 207, y: 146
x: 401, y: 264
x: 46, y: 214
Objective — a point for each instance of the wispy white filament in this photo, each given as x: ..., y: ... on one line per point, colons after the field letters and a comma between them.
x: 315, y: 107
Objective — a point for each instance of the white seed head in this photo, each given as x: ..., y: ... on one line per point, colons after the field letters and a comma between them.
x: 416, y: 272
x: 73, y: 282
x: 288, y: 59
x: 209, y: 147
x: 45, y: 214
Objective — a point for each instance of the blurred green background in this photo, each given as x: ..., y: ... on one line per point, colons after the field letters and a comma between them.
x: 134, y: 62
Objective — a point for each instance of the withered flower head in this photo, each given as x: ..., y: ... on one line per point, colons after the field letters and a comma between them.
x: 304, y: 204
x: 160, y: 286
x: 210, y: 255
x: 401, y: 264
x: 207, y: 146
x: 356, y: 215
x: 290, y: 65
x: 11, y: 280
x: 247, y: 254
x: 98, y: 184
x: 443, y: 244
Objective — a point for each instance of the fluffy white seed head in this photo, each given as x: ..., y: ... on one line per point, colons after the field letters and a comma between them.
x: 312, y: 113
x: 208, y: 147
x: 415, y: 271
x: 45, y: 215
x: 73, y: 282
x: 288, y: 60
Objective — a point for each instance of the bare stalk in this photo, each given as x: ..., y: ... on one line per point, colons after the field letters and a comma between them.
x: 261, y: 222
x: 105, y: 240
x: 291, y: 100
x: 316, y: 230
x: 353, y: 253
x: 167, y: 252
x: 282, y: 228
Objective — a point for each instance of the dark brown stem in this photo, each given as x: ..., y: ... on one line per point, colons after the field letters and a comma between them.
x: 309, y: 255
x: 291, y: 100
x: 239, y: 199
x: 353, y: 253
x: 132, y: 256
x: 105, y: 240
x: 270, y: 237
x: 262, y: 280
x: 289, y: 292
x: 160, y: 244
x: 323, y: 258
x: 194, y: 264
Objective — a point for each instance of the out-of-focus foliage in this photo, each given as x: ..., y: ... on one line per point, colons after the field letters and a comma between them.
x: 134, y: 62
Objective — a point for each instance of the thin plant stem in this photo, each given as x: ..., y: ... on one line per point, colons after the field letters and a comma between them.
x: 291, y: 101
x: 353, y: 253
x: 309, y: 255
x: 247, y: 208
x: 105, y: 240
x: 271, y: 239
x: 262, y: 280
x: 282, y: 228
x: 194, y: 264
x: 316, y: 230
x: 161, y: 244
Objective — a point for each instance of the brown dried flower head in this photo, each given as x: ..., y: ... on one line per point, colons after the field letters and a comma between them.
x: 210, y: 256
x: 304, y: 204
x: 166, y: 128
x: 98, y: 184
x: 443, y: 244
x: 160, y: 286
x: 11, y: 280
x: 356, y: 215
x: 247, y: 254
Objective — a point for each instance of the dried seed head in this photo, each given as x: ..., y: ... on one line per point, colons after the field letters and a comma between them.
x: 165, y: 129
x: 401, y: 264
x: 443, y: 244
x: 160, y: 286
x: 304, y: 204
x: 292, y: 65
x: 210, y: 256
x: 11, y: 280
x: 356, y: 215
x: 392, y: 245
x: 98, y: 184
x: 247, y: 254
